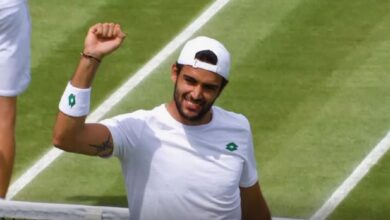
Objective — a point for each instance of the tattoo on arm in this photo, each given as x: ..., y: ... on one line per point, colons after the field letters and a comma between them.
x: 104, y: 149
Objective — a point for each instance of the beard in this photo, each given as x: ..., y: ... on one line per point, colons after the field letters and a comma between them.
x: 179, y: 98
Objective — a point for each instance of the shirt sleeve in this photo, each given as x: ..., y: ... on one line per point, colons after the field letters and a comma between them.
x: 249, y: 173
x: 125, y: 132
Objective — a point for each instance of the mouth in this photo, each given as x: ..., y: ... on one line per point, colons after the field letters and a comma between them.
x: 192, y: 106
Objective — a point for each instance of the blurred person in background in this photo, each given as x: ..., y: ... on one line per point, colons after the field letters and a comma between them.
x: 15, y: 29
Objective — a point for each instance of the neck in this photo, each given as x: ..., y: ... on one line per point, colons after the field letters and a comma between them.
x: 174, y: 112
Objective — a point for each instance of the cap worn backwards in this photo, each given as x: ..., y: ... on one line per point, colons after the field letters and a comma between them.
x: 192, y: 47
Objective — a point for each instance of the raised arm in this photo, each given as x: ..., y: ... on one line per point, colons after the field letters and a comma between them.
x: 71, y: 133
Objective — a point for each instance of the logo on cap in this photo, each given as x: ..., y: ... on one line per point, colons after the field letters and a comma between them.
x: 231, y: 146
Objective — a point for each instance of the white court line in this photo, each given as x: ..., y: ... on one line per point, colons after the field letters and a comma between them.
x: 360, y: 171
x: 118, y: 95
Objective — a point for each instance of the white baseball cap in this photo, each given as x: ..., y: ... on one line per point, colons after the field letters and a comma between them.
x: 187, y: 55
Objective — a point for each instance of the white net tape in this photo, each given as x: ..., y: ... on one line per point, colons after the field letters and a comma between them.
x: 35, y: 210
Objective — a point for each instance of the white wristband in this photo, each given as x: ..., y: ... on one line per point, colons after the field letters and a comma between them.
x: 75, y: 101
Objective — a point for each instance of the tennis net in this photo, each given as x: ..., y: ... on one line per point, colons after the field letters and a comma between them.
x: 34, y: 210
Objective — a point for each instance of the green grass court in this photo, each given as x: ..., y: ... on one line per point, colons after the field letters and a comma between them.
x: 311, y: 76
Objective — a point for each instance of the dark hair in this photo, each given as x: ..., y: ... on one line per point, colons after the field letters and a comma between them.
x: 206, y: 56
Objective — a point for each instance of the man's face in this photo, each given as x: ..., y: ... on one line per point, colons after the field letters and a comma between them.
x: 195, y: 92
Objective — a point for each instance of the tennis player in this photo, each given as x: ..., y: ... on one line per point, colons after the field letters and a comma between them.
x: 14, y: 78
x: 185, y: 159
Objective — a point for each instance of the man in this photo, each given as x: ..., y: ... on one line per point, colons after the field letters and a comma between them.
x: 14, y: 78
x: 186, y: 159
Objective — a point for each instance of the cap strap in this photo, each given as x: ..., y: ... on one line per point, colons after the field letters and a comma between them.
x: 200, y: 64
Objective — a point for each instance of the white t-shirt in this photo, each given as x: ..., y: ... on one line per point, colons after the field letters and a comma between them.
x: 174, y: 171
x: 9, y: 3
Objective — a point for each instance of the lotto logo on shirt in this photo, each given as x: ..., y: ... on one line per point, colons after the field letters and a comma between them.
x: 231, y: 146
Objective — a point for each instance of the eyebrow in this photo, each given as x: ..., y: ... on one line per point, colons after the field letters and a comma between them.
x: 209, y: 85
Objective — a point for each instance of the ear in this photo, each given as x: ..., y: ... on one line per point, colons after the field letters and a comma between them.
x: 174, y: 73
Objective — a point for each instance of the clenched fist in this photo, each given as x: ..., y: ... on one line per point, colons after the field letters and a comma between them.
x: 102, y: 39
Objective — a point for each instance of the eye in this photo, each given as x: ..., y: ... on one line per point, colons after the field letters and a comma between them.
x: 210, y: 87
x: 190, y: 80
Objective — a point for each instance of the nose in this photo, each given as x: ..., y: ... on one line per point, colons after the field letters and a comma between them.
x: 196, y: 93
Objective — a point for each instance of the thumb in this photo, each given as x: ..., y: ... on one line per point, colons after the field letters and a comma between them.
x: 119, y: 32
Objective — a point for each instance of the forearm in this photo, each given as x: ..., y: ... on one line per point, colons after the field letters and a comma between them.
x: 71, y: 133
x: 68, y: 127
x: 85, y: 72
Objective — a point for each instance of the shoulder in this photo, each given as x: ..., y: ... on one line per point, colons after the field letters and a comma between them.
x: 139, y: 116
x: 10, y: 3
x: 229, y: 118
